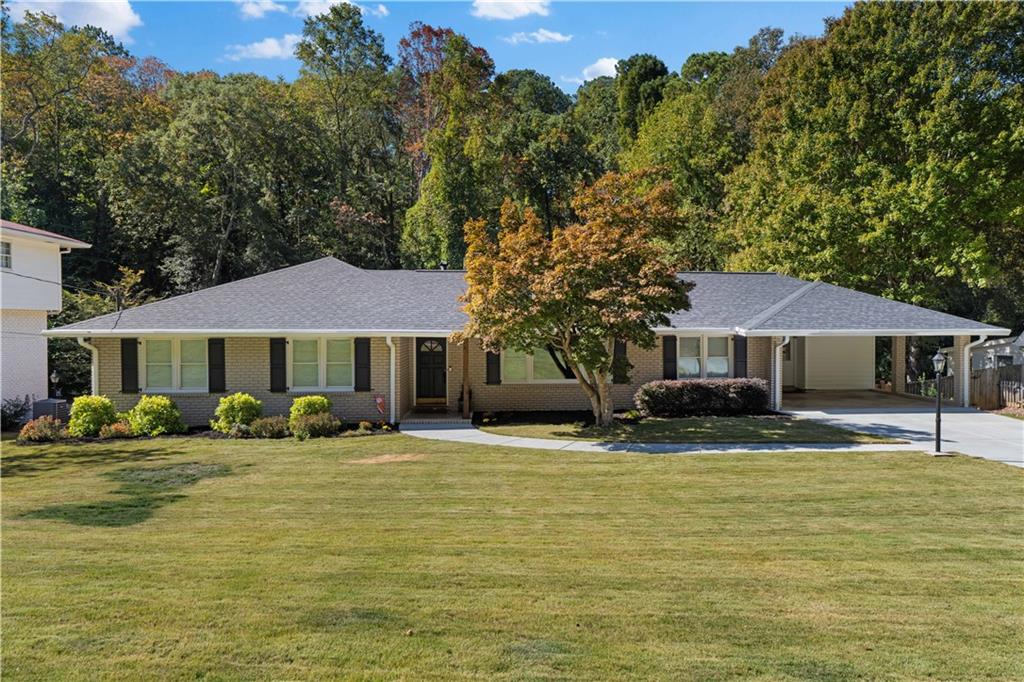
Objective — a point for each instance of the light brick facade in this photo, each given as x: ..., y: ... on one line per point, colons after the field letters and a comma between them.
x: 247, y: 368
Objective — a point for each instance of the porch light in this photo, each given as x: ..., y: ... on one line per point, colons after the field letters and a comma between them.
x: 939, y: 362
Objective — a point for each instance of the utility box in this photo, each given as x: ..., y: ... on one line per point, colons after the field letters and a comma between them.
x: 53, y: 407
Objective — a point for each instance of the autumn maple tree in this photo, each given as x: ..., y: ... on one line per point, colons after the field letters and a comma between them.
x: 603, y: 279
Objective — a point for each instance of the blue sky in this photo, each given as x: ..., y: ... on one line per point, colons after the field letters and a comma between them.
x: 568, y: 41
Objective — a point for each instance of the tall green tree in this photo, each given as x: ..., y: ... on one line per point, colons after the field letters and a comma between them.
x: 596, y: 114
x: 639, y: 83
x: 451, y: 192
x: 889, y: 156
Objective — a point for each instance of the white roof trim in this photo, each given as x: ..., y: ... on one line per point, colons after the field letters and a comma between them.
x: 73, y: 333
x: 975, y: 331
x: 68, y: 242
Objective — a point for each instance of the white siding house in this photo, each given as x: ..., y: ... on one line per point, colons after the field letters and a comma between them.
x: 30, y: 287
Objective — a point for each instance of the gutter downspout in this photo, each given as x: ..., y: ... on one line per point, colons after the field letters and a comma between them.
x: 391, y: 377
x: 777, y: 374
x: 94, y: 365
x: 965, y: 367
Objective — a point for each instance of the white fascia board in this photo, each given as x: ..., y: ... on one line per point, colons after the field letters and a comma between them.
x: 983, y: 331
x: 667, y: 331
x: 68, y: 243
x: 93, y: 333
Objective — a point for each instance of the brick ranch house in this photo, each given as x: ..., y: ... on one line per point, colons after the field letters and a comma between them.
x: 377, y: 342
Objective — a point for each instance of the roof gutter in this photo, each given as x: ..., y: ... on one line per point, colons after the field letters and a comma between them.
x: 203, y: 333
x: 965, y: 367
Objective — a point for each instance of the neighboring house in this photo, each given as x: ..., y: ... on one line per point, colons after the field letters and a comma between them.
x: 998, y: 353
x: 365, y: 335
x: 30, y: 287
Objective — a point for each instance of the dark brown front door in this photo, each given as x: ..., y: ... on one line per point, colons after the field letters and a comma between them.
x: 431, y: 371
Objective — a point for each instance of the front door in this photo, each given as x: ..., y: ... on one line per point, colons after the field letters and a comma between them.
x: 431, y: 371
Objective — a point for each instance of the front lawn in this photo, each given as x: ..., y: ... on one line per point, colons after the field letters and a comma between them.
x: 695, y: 430
x: 394, y: 557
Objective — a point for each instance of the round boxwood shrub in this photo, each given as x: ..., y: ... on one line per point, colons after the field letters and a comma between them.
x: 155, y: 415
x: 308, y: 404
x: 318, y: 425
x: 269, y: 427
x: 235, y: 409
x: 89, y: 414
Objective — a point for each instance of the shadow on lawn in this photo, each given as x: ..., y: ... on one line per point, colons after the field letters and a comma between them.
x: 55, y: 457
x: 142, y: 492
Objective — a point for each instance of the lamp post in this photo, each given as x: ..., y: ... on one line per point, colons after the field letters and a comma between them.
x: 939, y: 363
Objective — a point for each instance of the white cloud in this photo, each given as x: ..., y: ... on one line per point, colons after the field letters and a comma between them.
x: 605, y: 66
x: 257, y: 9
x: 268, y: 48
x: 116, y: 17
x: 509, y: 9
x: 541, y: 35
x: 309, y: 8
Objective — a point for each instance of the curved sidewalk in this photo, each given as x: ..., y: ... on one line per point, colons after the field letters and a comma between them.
x: 460, y: 433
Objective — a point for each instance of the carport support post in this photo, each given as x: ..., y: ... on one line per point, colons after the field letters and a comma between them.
x: 777, y: 372
x: 899, y: 364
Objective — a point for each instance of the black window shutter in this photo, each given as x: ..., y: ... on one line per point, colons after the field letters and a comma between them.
x: 215, y: 365
x: 363, y: 364
x: 620, y: 364
x: 739, y: 356
x: 668, y: 357
x: 129, y: 365
x: 493, y: 368
x: 278, y: 366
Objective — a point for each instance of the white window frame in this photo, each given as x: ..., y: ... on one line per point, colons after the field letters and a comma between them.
x: 704, y: 355
x: 321, y: 355
x: 175, y: 366
x: 529, y: 374
x: 6, y: 255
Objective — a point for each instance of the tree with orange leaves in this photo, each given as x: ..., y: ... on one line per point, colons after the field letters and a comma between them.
x: 604, y: 279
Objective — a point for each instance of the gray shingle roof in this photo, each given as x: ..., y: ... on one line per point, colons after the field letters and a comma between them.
x: 328, y: 295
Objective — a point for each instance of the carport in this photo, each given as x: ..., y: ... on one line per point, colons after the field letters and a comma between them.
x: 823, y: 340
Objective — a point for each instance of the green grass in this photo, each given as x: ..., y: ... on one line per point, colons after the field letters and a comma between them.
x: 189, y: 558
x: 696, y: 430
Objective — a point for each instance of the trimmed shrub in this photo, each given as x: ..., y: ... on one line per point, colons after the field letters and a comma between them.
x: 318, y: 425
x: 89, y: 414
x: 240, y: 431
x: 155, y: 415
x: 270, y: 427
x: 45, y: 429
x: 234, y: 409
x: 13, y: 412
x: 308, y: 404
x: 702, y: 397
x: 119, y: 429
x: 365, y: 426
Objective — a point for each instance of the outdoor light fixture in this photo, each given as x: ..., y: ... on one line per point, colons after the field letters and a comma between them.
x: 939, y: 363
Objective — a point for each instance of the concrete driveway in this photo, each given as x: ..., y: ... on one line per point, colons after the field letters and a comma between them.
x: 969, y: 431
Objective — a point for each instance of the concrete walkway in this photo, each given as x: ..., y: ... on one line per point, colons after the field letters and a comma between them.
x: 470, y: 434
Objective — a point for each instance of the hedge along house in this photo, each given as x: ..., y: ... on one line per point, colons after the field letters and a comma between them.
x: 377, y: 343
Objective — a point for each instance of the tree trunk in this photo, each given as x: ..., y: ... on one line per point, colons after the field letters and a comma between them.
x: 603, y: 408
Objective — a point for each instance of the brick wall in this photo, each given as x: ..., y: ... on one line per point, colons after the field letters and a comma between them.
x: 247, y: 368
